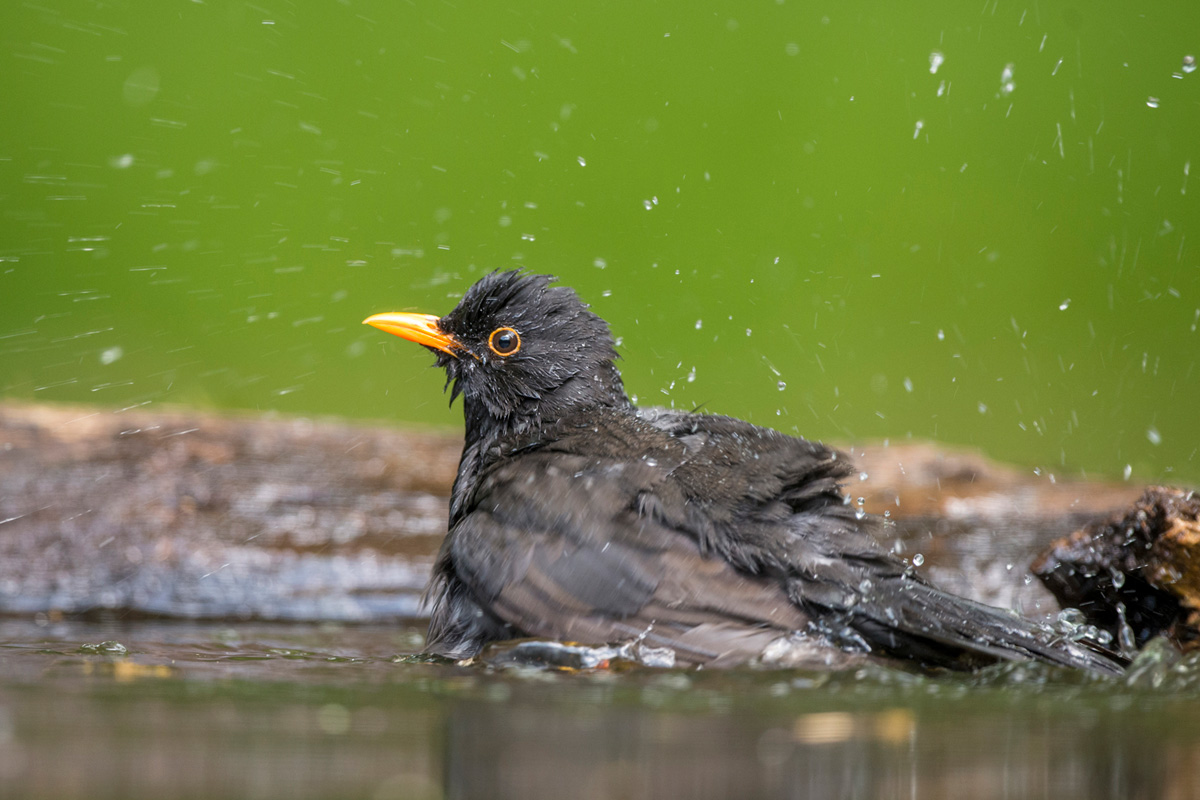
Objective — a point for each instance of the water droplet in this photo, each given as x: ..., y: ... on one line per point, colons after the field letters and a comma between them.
x: 983, y: 408
x: 1072, y: 617
x: 941, y: 334
x: 908, y: 384
x: 124, y: 161
x: 887, y: 513
x: 918, y: 560
x: 647, y: 204
x: 1125, y: 635
x: 792, y: 49
x: 1153, y: 435
x: 699, y: 324
x: 748, y: 331
x: 1152, y: 102
x: 1007, y: 85
x: 112, y: 354
x: 1118, y: 578
x: 936, y: 59
x: 141, y: 86
x: 581, y: 161
x: 599, y: 263
x: 917, y: 129
x: 781, y: 386
x: 1064, y: 305
x: 1189, y: 63
x: 1128, y: 471
x: 527, y: 237
x: 691, y: 378
x: 862, y: 476
x: 861, y: 500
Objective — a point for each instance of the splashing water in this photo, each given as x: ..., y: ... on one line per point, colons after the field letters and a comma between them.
x: 1007, y: 84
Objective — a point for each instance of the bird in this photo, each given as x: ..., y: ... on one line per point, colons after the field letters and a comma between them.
x: 577, y: 516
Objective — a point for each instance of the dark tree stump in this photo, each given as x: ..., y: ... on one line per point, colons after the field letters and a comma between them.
x: 1136, y: 574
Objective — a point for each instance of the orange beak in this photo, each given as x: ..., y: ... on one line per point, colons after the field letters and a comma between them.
x: 419, y: 328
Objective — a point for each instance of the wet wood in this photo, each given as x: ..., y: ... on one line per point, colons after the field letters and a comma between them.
x: 1136, y: 573
x: 188, y: 514
x: 182, y: 513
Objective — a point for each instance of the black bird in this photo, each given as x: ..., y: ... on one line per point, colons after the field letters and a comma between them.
x: 577, y: 516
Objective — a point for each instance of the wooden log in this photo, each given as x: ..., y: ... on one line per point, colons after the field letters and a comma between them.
x: 1135, y: 574
x: 182, y: 513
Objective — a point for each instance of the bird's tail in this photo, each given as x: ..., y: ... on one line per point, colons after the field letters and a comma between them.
x: 861, y: 594
x: 910, y: 617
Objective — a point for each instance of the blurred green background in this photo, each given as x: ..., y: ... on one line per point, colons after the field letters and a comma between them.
x: 966, y: 222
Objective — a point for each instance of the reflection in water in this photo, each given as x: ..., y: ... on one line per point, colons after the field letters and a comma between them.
x: 944, y: 751
x: 288, y: 711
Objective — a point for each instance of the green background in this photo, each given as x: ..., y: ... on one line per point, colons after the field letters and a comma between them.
x: 782, y: 209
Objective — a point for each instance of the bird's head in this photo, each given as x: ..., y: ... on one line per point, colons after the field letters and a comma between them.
x: 519, y: 351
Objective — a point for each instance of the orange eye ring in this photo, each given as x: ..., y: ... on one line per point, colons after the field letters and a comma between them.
x: 504, y: 341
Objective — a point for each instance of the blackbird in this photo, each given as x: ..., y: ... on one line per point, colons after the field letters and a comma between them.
x: 578, y: 516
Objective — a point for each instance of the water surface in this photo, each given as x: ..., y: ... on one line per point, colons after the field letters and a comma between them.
x: 292, y: 711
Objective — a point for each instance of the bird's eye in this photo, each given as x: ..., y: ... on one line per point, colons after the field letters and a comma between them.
x: 504, y: 341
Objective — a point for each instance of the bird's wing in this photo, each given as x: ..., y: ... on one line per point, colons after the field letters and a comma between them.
x: 743, y: 470
x: 555, y: 545
x: 773, y: 503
